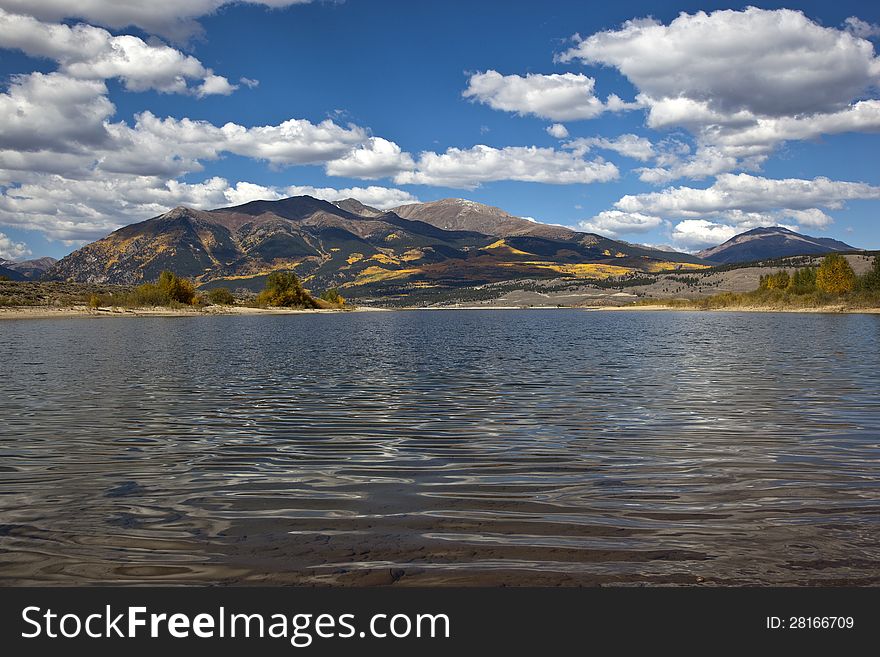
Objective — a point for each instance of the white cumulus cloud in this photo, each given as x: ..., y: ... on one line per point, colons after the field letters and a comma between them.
x: 383, y: 198
x: 617, y: 222
x: 862, y: 29
x: 79, y: 210
x: 628, y: 145
x: 693, y: 234
x: 375, y: 158
x: 765, y: 62
x: 85, y: 52
x: 170, y: 18
x: 749, y: 193
x: 68, y: 170
x: 707, y: 161
x: 54, y: 112
x: 558, y: 96
x: 295, y: 141
x: 738, y: 202
x: 742, y: 82
x: 557, y: 130
x: 468, y: 168
x: 10, y: 250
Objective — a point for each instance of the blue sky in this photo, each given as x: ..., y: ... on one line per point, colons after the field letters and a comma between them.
x: 722, y: 121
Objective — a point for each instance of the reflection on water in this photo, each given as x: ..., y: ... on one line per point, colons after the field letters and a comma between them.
x: 453, y: 447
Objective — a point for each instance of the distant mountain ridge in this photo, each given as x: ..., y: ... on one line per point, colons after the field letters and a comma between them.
x: 10, y: 274
x: 26, y: 269
x: 356, y: 207
x: 350, y: 244
x: 770, y: 243
x: 461, y: 214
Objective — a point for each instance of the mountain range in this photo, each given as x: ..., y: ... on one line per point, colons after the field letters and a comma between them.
x: 26, y: 270
x: 441, y: 244
x: 446, y: 243
x: 770, y: 243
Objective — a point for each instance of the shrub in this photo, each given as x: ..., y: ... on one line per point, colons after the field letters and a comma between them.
x: 221, y: 296
x: 177, y: 289
x: 94, y: 301
x: 284, y: 289
x: 803, y: 281
x: 332, y: 295
x: 871, y: 280
x: 835, y: 275
x: 148, y: 294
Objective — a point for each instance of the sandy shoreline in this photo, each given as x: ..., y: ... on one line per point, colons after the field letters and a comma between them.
x: 44, y: 312
x: 743, y: 309
x: 652, y: 308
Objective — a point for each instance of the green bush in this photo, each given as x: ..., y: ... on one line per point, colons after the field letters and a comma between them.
x: 148, y: 294
x: 177, y: 289
x: 803, y: 281
x: 284, y: 289
x: 221, y: 296
x: 871, y: 280
x: 332, y: 295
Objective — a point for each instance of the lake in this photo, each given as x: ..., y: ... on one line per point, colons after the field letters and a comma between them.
x: 442, y: 447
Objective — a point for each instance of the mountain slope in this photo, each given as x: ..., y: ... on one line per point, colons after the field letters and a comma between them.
x: 9, y: 273
x: 770, y: 243
x: 461, y: 214
x: 350, y: 245
x: 356, y: 207
x: 313, y: 237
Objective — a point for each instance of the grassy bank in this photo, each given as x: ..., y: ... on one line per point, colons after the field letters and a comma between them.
x: 832, y: 285
x: 54, y: 294
x: 772, y: 300
x: 169, y: 294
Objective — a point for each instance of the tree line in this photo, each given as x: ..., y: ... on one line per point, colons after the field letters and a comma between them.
x: 834, y: 276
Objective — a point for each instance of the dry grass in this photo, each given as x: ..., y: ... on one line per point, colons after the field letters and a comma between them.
x: 773, y: 300
x: 675, y: 266
x: 377, y: 274
x: 54, y: 294
x: 588, y: 270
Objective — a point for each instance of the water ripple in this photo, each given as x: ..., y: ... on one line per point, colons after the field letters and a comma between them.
x: 442, y: 447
